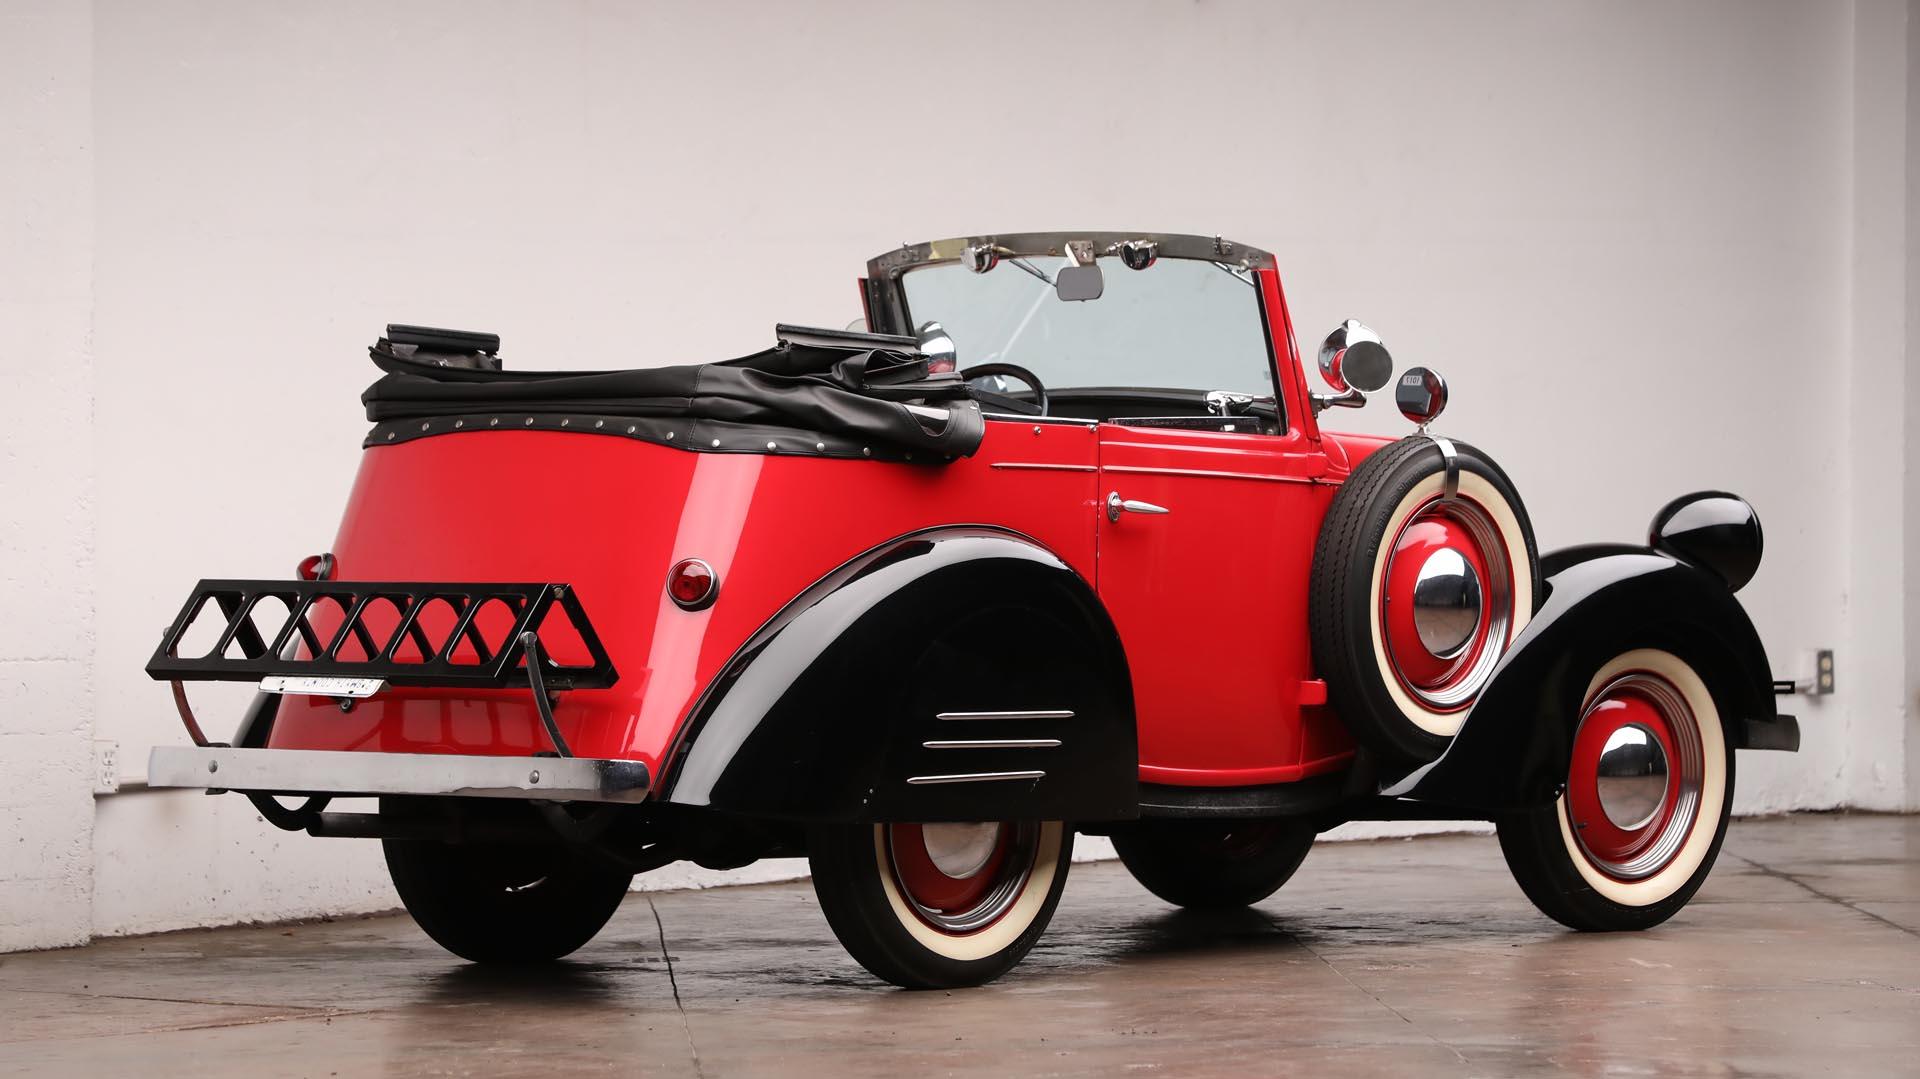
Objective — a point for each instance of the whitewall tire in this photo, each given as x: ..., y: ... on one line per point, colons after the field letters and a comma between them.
x: 1647, y: 799
x: 1422, y: 578
x: 929, y: 906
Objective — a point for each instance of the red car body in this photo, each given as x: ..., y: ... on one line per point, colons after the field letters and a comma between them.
x: 411, y: 516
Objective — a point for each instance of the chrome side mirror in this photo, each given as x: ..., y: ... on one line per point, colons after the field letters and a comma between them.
x: 1353, y: 362
x: 934, y: 343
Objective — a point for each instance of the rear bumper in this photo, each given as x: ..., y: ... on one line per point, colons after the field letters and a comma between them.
x: 344, y: 774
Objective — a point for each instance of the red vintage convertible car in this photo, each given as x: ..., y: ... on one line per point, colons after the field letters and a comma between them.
x: 1059, y: 546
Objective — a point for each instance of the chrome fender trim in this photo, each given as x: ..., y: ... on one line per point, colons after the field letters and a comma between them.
x: 344, y: 773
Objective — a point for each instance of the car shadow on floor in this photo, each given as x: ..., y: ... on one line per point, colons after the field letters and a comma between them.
x: 1166, y: 933
x: 566, y: 983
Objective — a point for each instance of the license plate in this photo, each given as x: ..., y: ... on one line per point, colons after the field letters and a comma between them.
x: 322, y: 687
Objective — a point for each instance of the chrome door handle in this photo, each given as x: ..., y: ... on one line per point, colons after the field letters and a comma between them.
x: 1117, y: 506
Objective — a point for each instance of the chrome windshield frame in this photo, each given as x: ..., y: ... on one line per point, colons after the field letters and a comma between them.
x: 887, y: 297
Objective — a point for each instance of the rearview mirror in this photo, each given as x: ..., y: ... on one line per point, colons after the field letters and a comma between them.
x: 1074, y: 283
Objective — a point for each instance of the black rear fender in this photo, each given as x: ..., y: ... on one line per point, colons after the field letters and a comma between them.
x: 834, y: 710
x: 1514, y: 748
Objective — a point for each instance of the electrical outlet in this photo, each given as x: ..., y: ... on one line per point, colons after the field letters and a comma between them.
x: 1822, y: 673
x: 106, y: 766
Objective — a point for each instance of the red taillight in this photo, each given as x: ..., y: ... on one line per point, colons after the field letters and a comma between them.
x: 316, y: 567
x: 693, y: 584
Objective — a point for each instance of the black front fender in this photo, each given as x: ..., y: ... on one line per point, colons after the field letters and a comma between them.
x: 1513, y: 750
x: 833, y: 710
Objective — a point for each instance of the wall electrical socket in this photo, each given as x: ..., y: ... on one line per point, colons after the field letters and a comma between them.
x: 1822, y: 673
x: 106, y: 766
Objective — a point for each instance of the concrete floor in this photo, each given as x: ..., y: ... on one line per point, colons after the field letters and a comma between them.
x: 1414, y: 958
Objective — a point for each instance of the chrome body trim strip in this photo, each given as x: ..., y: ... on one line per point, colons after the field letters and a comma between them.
x: 1207, y: 473
x: 1043, y: 713
x: 1058, y: 421
x: 346, y: 773
x: 1039, y: 466
x: 973, y: 777
x: 992, y: 743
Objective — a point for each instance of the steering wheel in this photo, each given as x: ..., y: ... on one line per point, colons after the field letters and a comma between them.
x: 1000, y: 401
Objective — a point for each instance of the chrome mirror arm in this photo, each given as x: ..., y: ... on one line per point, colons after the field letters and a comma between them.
x: 1350, y: 398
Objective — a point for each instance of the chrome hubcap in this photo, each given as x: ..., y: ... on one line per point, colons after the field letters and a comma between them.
x: 960, y: 850
x: 1635, y: 793
x: 1632, y: 777
x: 961, y: 877
x: 1446, y: 603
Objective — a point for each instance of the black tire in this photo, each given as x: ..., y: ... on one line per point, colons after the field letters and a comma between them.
x: 872, y: 915
x: 1213, y: 865
x: 1404, y: 723
x: 504, y: 903
x: 1569, y: 886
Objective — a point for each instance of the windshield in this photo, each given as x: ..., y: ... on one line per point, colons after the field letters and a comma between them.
x: 1178, y: 324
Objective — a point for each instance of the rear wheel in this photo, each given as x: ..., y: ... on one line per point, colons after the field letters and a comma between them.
x: 1648, y: 794
x: 1212, y: 865
x: 504, y: 902
x: 931, y: 906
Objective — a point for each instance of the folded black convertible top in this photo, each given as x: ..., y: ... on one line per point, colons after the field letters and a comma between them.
x: 818, y: 393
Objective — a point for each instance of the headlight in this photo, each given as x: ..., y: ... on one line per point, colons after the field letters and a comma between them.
x: 1714, y: 530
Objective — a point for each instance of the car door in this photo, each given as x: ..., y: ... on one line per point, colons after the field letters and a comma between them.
x: 1205, y: 547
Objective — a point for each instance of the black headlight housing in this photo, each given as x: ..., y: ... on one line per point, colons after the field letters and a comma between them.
x: 1714, y: 530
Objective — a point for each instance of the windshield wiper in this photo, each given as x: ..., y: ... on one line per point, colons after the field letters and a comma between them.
x: 1036, y: 271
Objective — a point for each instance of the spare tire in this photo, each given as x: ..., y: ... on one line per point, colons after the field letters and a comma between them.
x: 1417, y: 592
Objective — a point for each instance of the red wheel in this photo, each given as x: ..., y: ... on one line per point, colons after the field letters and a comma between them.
x: 1633, y: 793
x: 959, y: 878
x: 1422, y: 578
x: 1649, y: 787
x: 939, y: 905
x: 1446, y: 608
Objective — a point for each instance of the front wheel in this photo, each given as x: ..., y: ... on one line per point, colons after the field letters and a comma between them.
x: 1213, y: 865
x: 938, y: 906
x: 1648, y: 794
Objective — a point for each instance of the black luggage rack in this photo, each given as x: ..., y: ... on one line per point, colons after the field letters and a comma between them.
x: 296, y: 648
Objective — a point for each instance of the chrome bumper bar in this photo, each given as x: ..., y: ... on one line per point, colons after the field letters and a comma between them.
x: 345, y: 774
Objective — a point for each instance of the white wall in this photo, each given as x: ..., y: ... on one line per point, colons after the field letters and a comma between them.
x: 46, y: 474
x: 1653, y: 249
x: 1879, y: 436
x: 1908, y: 478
